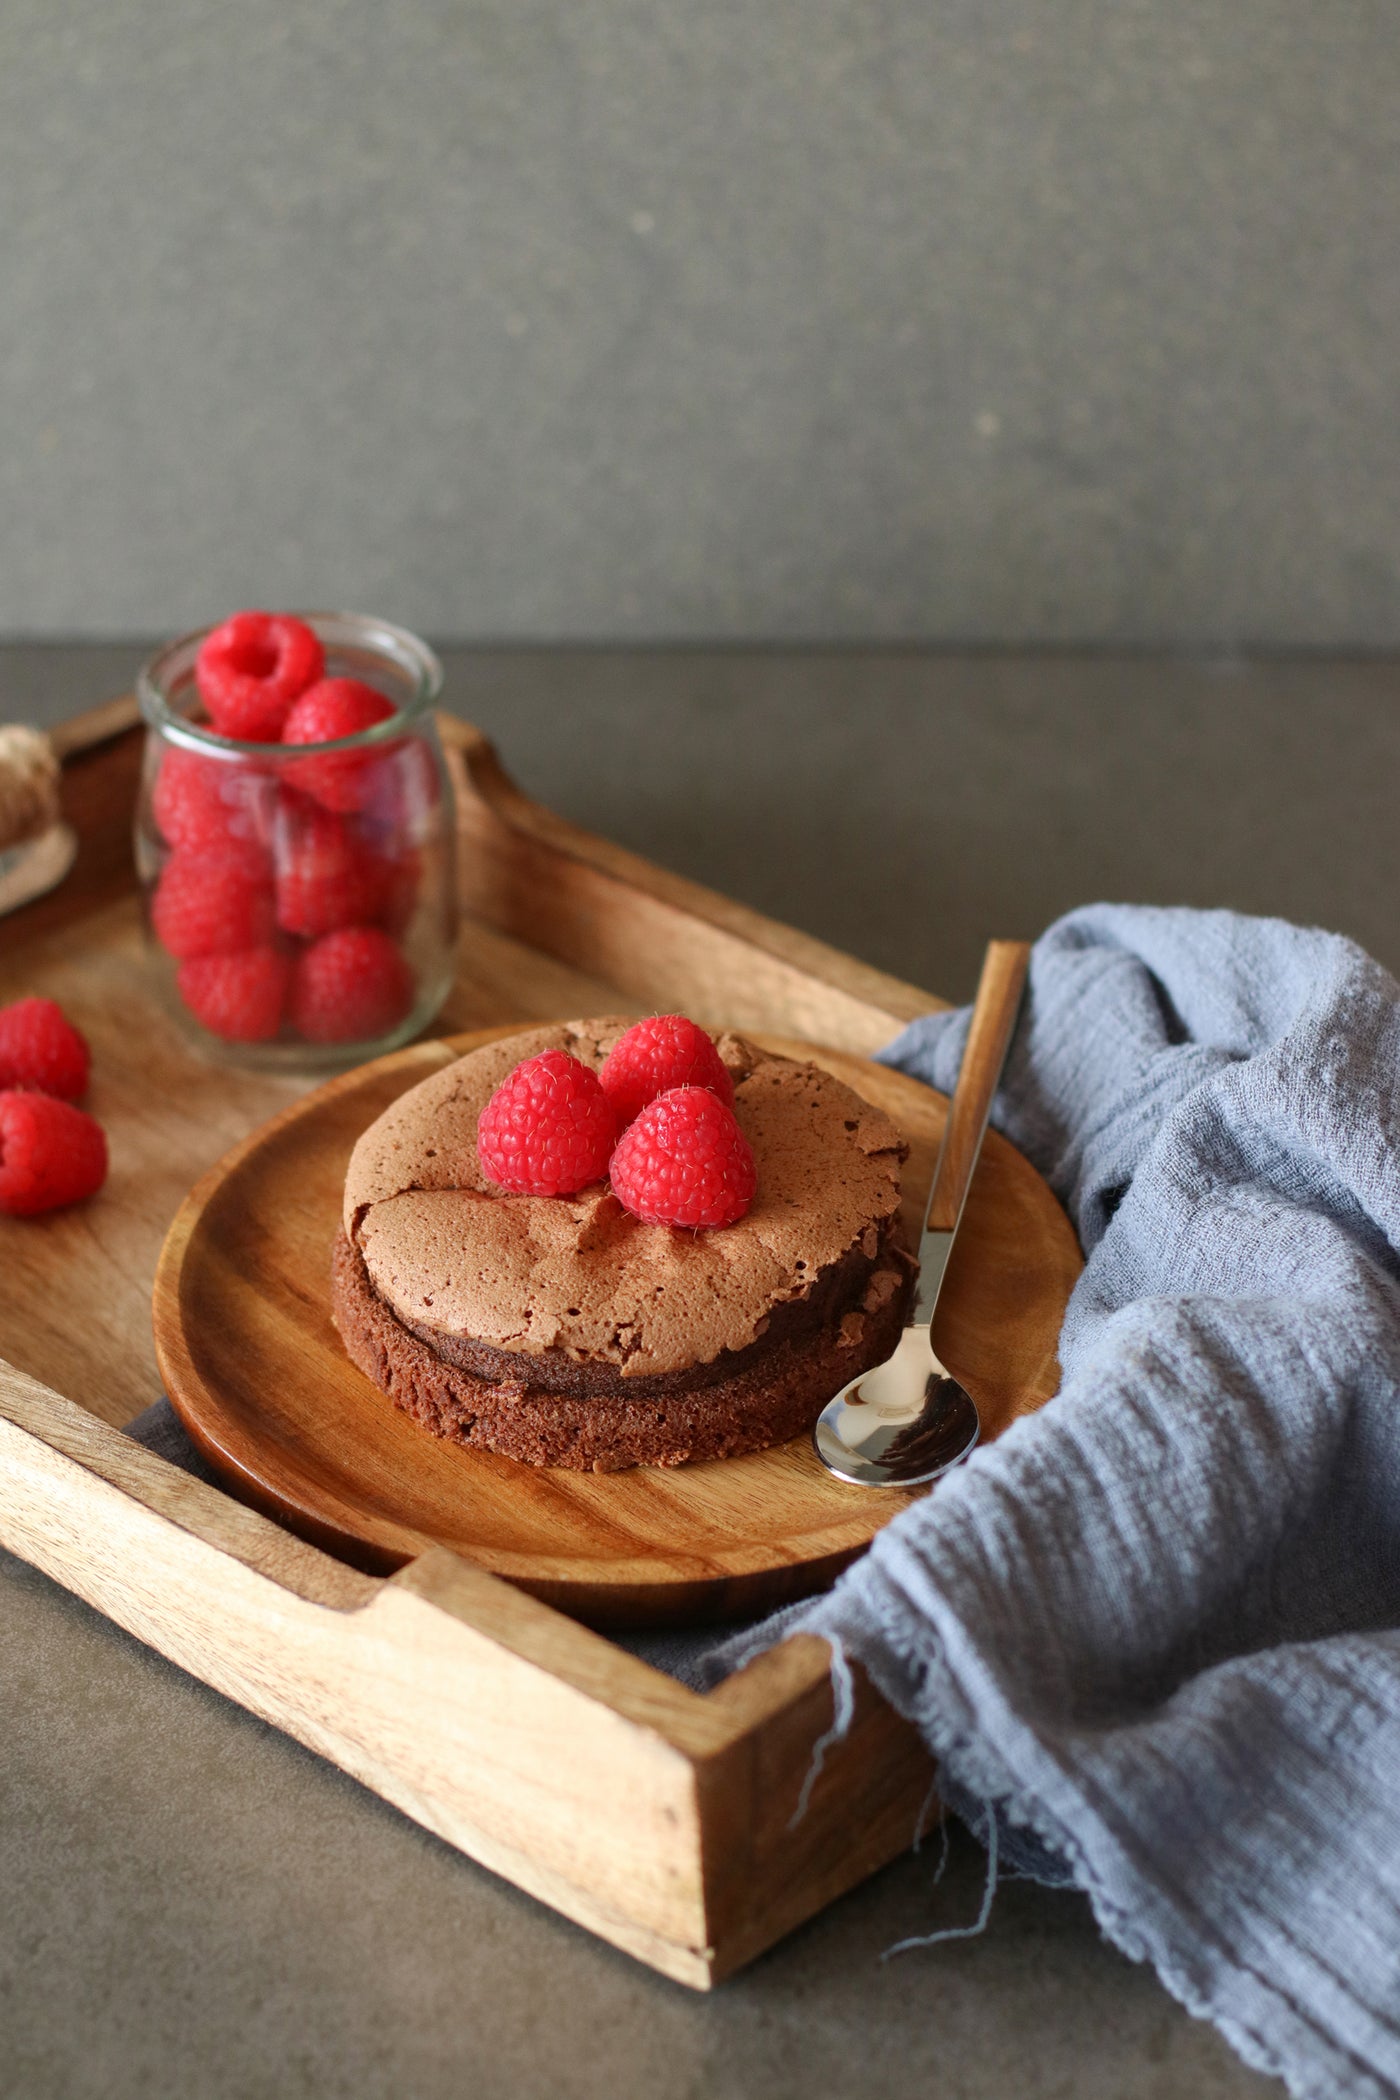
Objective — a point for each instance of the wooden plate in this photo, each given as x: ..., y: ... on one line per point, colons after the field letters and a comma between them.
x: 256, y: 1372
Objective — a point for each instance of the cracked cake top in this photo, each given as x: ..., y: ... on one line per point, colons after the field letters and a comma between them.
x: 577, y: 1276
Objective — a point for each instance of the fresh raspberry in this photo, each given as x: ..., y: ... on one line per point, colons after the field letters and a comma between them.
x: 548, y: 1130
x: 403, y: 878
x: 326, y: 877
x: 205, y: 801
x: 655, y: 1056
x: 402, y: 791
x: 684, y: 1161
x: 50, y: 1154
x: 250, y: 670
x: 238, y: 997
x: 40, y: 1048
x: 214, y: 901
x: 349, y: 987
x: 337, y: 707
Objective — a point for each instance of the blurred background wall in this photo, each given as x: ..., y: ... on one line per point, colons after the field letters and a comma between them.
x: 1017, y: 321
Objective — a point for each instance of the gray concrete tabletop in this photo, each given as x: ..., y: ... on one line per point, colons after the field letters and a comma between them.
x: 193, y: 1904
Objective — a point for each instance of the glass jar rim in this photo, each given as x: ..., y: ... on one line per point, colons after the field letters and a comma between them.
x: 380, y: 637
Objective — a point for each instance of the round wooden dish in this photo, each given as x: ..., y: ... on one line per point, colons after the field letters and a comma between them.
x: 256, y: 1373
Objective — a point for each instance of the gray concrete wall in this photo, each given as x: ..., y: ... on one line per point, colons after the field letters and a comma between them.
x: 986, y: 320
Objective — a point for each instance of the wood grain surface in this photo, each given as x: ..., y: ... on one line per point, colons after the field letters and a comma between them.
x: 256, y: 1371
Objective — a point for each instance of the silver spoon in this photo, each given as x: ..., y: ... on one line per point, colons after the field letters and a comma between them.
x: 907, y: 1420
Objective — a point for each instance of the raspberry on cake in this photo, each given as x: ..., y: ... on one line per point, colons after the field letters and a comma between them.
x: 667, y: 1051
x: 548, y: 1130
x: 685, y: 1161
x: 563, y: 1331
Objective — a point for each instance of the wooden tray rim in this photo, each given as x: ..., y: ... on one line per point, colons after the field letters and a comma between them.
x: 353, y: 1664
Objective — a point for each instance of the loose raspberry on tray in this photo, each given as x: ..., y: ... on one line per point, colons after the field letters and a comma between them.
x: 40, y: 1048
x: 548, y: 1130
x: 237, y: 997
x: 50, y: 1154
x: 337, y: 707
x: 685, y: 1161
x: 214, y: 901
x: 656, y: 1055
x: 352, y: 984
x: 250, y: 670
x: 206, y: 801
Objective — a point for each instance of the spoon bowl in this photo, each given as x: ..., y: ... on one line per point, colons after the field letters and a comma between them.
x: 907, y: 1420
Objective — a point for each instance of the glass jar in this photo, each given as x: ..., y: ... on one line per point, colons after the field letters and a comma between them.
x: 301, y: 899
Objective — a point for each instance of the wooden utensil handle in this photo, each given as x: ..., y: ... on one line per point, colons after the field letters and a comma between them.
x: 994, y: 1014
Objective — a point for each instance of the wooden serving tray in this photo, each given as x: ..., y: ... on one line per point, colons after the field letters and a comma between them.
x: 659, y: 1818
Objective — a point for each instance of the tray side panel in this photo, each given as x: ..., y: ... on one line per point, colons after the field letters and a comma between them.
x: 664, y: 941
x: 869, y: 1800
x: 565, y: 892
x: 583, y: 1805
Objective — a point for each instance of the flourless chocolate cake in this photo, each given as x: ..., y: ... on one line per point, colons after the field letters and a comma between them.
x: 562, y: 1331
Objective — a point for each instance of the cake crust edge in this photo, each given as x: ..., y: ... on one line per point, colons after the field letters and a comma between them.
x: 776, y: 1396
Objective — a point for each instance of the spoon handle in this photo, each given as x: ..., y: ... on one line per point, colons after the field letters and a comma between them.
x: 994, y: 1014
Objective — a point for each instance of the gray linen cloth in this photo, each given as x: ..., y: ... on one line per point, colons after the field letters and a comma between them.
x: 1155, y: 1629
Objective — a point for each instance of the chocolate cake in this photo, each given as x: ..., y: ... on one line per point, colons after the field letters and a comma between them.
x: 562, y: 1331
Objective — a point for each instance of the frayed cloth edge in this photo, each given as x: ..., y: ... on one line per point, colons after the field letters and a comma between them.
x: 979, y: 1923
x: 843, y: 1705
x: 957, y: 1751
